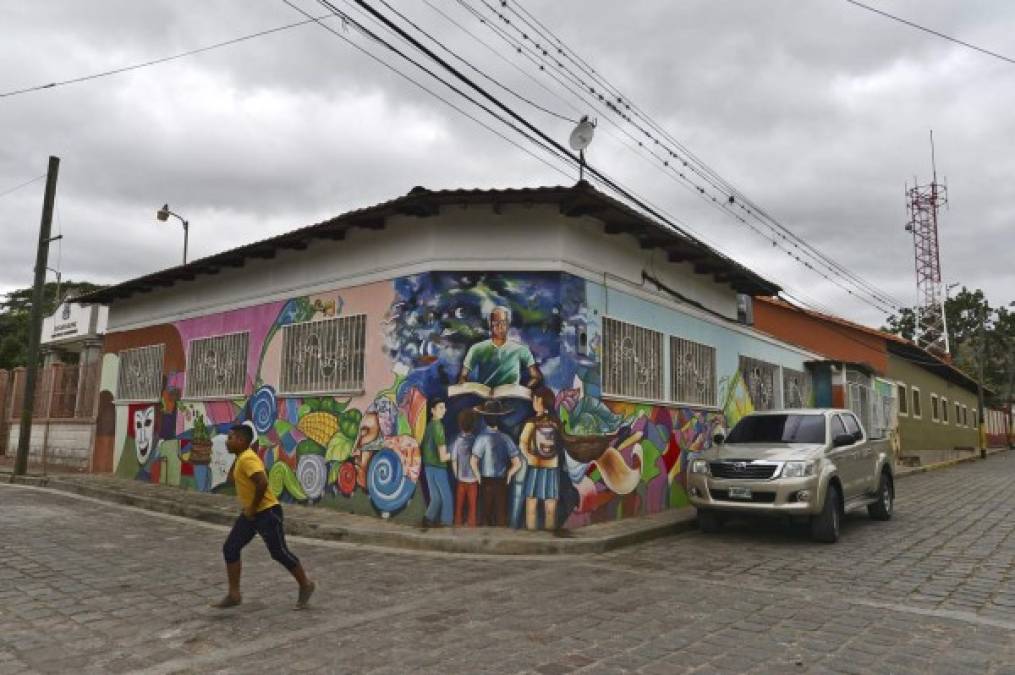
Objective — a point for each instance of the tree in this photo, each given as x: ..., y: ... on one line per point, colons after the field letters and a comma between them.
x: 964, y: 313
x: 16, y: 311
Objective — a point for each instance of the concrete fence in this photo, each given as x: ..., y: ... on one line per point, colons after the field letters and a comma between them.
x: 63, y: 416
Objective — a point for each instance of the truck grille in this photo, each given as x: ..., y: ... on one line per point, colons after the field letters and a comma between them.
x: 756, y: 497
x: 743, y: 470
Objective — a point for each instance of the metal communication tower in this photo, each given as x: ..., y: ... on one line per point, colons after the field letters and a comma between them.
x: 922, y: 202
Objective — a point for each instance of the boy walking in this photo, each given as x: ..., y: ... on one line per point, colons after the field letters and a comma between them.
x: 262, y: 514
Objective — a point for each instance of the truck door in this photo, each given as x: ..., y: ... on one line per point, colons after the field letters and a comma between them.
x: 866, y: 460
x: 862, y: 455
x: 845, y: 458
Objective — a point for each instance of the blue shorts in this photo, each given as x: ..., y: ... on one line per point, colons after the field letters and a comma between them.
x: 541, y: 483
x: 268, y: 524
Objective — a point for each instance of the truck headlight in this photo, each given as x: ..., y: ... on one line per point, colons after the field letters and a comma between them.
x: 797, y: 469
x: 699, y: 466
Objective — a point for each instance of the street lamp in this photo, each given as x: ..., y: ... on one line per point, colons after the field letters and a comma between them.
x: 163, y: 215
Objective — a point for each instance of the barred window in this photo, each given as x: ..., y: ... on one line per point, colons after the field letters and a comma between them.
x: 692, y: 372
x: 762, y: 380
x: 217, y: 366
x: 632, y: 361
x: 140, y: 376
x: 796, y: 388
x: 324, y: 356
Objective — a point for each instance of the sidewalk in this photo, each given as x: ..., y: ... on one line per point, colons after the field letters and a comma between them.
x: 324, y: 523
x: 328, y: 524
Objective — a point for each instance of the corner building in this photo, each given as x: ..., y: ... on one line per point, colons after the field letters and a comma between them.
x: 333, y: 341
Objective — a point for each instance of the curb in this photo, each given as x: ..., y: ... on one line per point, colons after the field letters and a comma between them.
x: 315, y: 524
x: 913, y: 470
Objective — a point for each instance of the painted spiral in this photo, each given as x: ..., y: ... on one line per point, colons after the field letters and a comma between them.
x: 312, y: 473
x: 389, y: 488
x: 346, y: 482
x: 263, y: 409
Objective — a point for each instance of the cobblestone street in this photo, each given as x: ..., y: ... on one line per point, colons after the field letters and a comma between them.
x: 91, y: 587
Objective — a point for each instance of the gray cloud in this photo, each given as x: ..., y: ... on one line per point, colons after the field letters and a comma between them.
x: 818, y: 111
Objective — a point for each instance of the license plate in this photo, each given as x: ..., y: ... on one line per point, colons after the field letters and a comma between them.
x: 740, y: 493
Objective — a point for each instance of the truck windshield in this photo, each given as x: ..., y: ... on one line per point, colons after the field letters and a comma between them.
x: 779, y: 429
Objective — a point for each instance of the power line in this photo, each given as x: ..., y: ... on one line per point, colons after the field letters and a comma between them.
x: 613, y: 185
x: 881, y: 300
x: 345, y: 17
x: 733, y: 196
x: 931, y: 31
x: 136, y: 66
x: 477, y: 70
x: 25, y: 184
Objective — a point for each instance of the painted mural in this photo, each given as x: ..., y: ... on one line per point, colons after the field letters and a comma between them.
x: 481, y: 405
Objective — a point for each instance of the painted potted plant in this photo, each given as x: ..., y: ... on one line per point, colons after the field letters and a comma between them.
x: 200, y: 441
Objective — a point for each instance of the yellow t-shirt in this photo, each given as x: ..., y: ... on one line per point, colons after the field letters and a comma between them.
x: 247, y: 464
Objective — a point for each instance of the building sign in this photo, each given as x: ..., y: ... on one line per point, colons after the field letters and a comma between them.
x: 72, y: 321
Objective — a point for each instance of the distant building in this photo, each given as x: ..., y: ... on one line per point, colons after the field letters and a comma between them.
x: 892, y: 384
x: 67, y: 389
x: 334, y: 341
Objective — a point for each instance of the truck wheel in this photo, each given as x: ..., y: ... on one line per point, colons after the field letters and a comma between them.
x: 709, y: 522
x: 825, y: 525
x: 882, y: 508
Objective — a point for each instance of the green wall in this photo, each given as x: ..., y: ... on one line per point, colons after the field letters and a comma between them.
x: 923, y: 433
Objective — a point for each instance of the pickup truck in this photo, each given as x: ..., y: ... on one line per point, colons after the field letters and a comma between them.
x: 811, y: 464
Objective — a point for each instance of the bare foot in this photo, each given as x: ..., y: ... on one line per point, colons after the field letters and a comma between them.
x: 227, y: 602
x: 303, y: 601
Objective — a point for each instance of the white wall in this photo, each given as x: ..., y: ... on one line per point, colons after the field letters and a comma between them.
x: 461, y: 238
x: 68, y: 444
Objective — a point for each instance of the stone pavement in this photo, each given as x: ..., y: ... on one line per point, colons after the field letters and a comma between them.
x: 95, y: 587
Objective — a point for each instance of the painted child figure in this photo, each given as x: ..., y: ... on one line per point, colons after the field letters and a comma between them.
x: 434, y: 453
x: 262, y: 514
x: 467, y: 483
x: 495, y: 460
x: 540, y: 443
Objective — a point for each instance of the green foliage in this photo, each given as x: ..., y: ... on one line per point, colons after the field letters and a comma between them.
x: 15, y: 312
x: 975, y: 330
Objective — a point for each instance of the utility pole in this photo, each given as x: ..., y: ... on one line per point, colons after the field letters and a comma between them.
x: 981, y: 422
x: 35, y: 323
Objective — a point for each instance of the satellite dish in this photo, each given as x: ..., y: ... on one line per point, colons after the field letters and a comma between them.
x: 582, y: 135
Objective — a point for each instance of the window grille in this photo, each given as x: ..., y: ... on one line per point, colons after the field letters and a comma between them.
x: 796, y: 388
x: 632, y: 361
x: 917, y: 405
x: 324, y: 356
x: 903, y: 400
x: 140, y: 377
x: 692, y: 372
x: 217, y: 366
x: 944, y: 410
x: 958, y: 414
x: 762, y: 380
x: 933, y: 407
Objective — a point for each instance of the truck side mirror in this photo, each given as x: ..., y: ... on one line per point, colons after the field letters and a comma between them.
x: 842, y: 439
x: 719, y: 439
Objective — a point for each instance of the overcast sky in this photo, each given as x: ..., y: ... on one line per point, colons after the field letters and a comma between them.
x: 818, y: 111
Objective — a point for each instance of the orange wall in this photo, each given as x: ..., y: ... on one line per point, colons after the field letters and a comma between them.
x: 832, y: 340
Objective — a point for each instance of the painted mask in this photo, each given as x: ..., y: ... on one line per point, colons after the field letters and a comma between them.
x: 144, y: 433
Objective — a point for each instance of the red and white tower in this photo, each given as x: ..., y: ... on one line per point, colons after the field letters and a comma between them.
x: 922, y: 202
